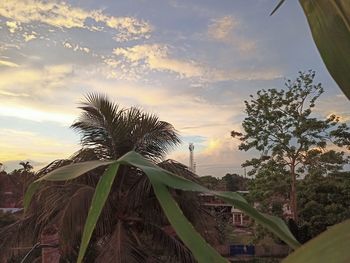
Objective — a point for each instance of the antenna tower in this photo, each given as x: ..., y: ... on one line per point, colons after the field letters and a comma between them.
x: 192, y: 164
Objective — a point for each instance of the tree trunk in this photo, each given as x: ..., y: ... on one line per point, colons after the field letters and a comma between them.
x: 293, y: 194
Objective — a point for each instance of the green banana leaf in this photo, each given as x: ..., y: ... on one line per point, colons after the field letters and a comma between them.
x: 330, y: 246
x: 98, y: 201
x: 63, y: 173
x: 274, y: 224
x: 160, y: 180
x: 329, y: 21
x: 200, y: 249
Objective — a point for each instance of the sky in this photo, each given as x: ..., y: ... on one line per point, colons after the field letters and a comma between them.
x: 193, y: 63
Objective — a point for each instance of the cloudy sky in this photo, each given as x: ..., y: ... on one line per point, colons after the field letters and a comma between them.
x: 193, y: 63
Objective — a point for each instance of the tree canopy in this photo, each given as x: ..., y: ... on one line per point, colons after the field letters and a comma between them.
x: 280, y: 125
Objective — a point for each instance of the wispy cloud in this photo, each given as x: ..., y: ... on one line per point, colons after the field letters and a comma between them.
x: 134, y: 60
x: 63, y: 15
x: 13, y: 26
x: 224, y: 29
x: 156, y: 57
x: 25, y: 93
x: 22, y: 145
x: 247, y: 74
x: 76, y: 47
x: 35, y: 114
x: 8, y: 64
x: 29, y: 36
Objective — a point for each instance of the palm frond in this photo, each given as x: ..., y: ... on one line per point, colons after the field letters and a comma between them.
x: 112, y: 131
x: 119, y: 248
x: 167, y: 246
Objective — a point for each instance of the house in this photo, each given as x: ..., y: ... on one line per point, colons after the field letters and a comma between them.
x: 225, y: 210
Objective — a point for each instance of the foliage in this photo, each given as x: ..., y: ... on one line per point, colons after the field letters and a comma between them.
x: 235, y: 182
x: 331, y: 34
x: 133, y: 210
x: 324, y: 201
x: 330, y: 246
x: 160, y: 180
x: 270, y: 187
x: 280, y: 126
x: 16, y: 182
x: 6, y: 218
x: 132, y: 226
x: 330, y: 28
x: 209, y: 181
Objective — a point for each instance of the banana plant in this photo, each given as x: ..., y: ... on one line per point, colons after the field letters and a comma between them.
x: 161, y: 181
x: 329, y: 21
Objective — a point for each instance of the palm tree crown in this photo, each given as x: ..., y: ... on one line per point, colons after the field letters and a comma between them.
x: 132, y: 226
x: 112, y: 132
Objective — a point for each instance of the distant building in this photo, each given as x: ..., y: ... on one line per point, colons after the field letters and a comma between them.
x: 227, y: 211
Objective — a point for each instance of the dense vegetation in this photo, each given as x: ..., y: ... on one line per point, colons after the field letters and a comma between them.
x: 132, y: 226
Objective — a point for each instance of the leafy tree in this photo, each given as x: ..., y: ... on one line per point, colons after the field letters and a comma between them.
x: 280, y: 126
x: 324, y: 201
x: 132, y: 226
x: 270, y: 187
x: 235, y: 182
x: 209, y: 181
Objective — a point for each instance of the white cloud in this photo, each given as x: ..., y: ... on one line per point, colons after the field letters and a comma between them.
x: 34, y: 114
x: 133, y: 61
x: 8, y: 64
x: 224, y: 29
x: 35, y: 94
x: 76, y: 47
x: 21, y: 145
x: 157, y: 57
x: 29, y: 36
x: 63, y: 15
x: 12, y: 94
x: 221, y: 28
x: 13, y: 26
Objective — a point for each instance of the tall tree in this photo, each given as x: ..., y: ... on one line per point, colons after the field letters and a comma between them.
x: 280, y: 125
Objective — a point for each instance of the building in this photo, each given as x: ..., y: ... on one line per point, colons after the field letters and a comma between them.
x: 225, y: 210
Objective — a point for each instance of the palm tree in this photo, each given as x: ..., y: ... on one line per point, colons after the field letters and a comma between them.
x: 26, y: 166
x: 132, y: 227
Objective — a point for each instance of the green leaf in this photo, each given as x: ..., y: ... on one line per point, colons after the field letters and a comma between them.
x: 201, y: 250
x: 71, y: 171
x: 329, y: 21
x: 98, y: 201
x: 67, y: 172
x: 29, y: 194
x: 160, y: 179
x: 274, y: 224
x: 330, y: 246
x: 278, y: 6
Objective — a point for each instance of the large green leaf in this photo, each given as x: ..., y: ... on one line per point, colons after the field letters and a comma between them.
x: 160, y: 179
x: 98, y: 201
x: 201, y: 250
x: 274, y: 224
x: 63, y: 173
x: 330, y: 246
x: 329, y: 21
